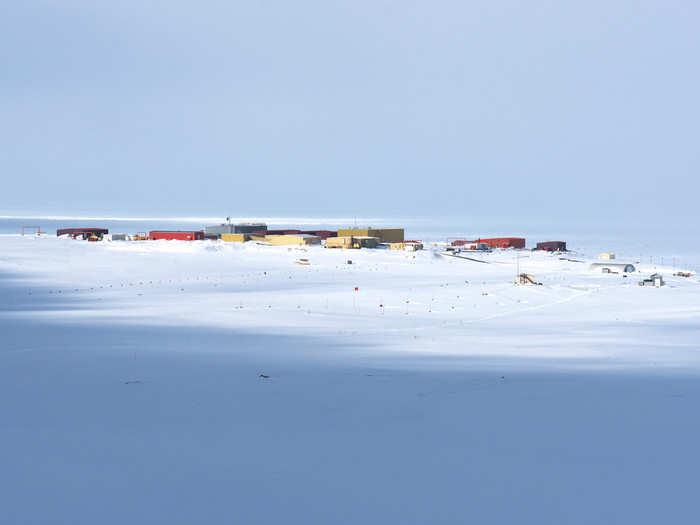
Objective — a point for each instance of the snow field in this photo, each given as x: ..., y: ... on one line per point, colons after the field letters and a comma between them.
x: 173, y: 382
x: 413, y: 303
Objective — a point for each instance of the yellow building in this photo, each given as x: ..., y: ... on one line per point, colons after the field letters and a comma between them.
x: 352, y: 242
x: 234, y: 237
x: 339, y: 242
x: 384, y: 234
x: 292, y: 240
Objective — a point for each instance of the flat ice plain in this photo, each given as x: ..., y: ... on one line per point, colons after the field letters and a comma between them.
x: 402, y: 388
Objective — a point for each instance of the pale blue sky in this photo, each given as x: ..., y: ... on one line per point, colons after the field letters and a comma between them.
x: 547, y: 109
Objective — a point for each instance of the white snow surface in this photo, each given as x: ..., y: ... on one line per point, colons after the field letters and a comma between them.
x: 403, y: 388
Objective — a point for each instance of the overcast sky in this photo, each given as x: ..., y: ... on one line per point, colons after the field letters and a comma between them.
x: 544, y: 110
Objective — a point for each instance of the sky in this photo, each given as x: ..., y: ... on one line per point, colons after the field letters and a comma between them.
x: 547, y: 111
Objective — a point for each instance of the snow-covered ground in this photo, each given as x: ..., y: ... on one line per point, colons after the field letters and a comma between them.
x: 402, y: 388
x: 385, y: 303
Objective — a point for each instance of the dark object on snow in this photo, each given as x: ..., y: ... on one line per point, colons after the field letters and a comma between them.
x: 655, y: 279
x: 526, y: 278
x: 264, y: 376
x: 84, y: 233
x: 551, y: 246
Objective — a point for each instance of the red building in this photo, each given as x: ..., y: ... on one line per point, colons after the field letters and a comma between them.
x: 503, y: 242
x: 176, y: 235
x: 552, y: 246
x: 495, y: 242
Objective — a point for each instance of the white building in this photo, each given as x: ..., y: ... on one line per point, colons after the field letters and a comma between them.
x: 611, y: 267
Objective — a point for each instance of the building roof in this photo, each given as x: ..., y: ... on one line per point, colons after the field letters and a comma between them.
x: 625, y: 267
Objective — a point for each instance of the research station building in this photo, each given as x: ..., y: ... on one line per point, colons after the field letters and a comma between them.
x: 383, y: 234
